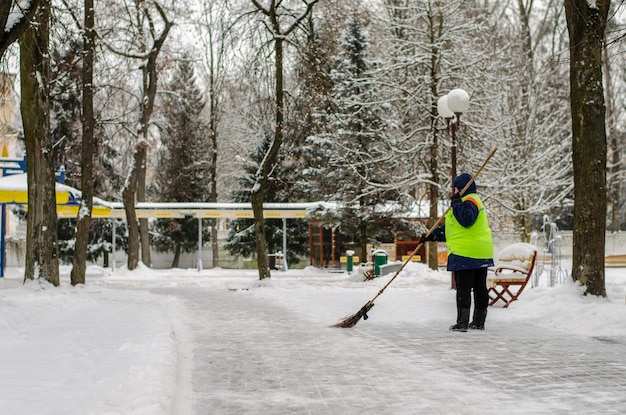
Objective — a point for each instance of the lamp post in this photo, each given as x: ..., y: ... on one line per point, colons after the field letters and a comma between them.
x: 451, y: 107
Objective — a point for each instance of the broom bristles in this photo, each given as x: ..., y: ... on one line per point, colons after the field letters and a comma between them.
x: 351, y: 321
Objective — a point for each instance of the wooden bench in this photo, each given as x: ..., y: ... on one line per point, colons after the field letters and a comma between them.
x: 513, y: 269
x: 615, y: 261
x: 389, y: 268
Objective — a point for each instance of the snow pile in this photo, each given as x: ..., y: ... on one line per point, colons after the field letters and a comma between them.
x: 85, y: 350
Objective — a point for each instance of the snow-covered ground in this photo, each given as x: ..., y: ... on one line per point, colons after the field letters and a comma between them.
x: 118, y: 345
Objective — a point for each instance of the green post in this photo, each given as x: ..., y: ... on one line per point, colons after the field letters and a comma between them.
x: 349, y: 261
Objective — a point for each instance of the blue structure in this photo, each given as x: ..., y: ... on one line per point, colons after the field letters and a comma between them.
x: 9, y: 166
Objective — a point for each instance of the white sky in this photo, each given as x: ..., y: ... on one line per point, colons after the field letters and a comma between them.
x: 128, y: 343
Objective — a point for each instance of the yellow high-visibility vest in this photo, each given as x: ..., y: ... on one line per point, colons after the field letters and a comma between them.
x: 471, y: 242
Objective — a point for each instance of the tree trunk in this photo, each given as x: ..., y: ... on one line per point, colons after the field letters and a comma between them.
x: 586, y: 32
x: 149, y: 93
x: 213, y: 173
x: 433, y: 190
x: 363, y: 242
x: 215, y: 248
x: 79, y: 267
x: 433, y: 197
x: 149, y: 89
x: 128, y: 197
x: 256, y: 199
x: 257, y: 196
x: 176, y: 260
x: 435, y: 27
x: 144, y: 231
x: 42, y: 259
x: 258, y: 193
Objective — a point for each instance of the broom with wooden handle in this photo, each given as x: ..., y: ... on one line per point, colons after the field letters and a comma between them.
x: 351, y: 321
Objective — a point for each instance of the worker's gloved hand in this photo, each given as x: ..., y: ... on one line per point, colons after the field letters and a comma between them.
x: 456, y: 198
x: 425, y: 238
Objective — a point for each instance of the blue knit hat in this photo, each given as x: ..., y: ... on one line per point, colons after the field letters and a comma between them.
x: 461, y: 180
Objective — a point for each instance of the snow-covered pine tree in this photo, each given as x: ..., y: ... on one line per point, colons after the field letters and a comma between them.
x: 309, y: 109
x: 183, y: 163
x: 306, y: 110
x: 359, y: 174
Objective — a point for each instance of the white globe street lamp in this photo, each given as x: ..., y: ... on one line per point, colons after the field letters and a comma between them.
x: 450, y: 107
x: 458, y: 100
x: 443, y: 109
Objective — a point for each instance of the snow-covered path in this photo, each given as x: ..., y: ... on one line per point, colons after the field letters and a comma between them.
x: 254, y: 352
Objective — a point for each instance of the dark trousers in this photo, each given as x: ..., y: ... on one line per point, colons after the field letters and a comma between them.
x: 468, y: 280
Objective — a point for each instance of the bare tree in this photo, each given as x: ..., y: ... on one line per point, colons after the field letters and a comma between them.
x: 42, y: 259
x: 128, y: 197
x: 274, y: 13
x: 149, y: 76
x: 532, y: 120
x: 77, y: 275
x: 135, y: 188
x: 215, y: 28
x: 427, y: 40
x: 586, y: 22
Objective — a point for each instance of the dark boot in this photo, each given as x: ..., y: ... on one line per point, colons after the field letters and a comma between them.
x: 462, y: 320
x: 478, y: 322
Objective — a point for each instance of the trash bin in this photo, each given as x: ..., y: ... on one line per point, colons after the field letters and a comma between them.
x: 379, y: 258
x: 349, y: 261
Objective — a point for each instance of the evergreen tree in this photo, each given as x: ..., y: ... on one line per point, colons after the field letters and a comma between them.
x: 183, y: 168
x: 65, y: 128
x: 358, y: 147
x: 65, y: 96
x: 309, y: 120
x: 100, y: 237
